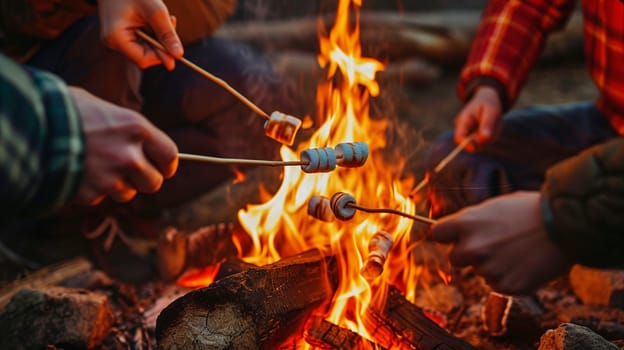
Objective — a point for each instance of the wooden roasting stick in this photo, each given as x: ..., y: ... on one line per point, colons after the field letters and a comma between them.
x: 238, y: 161
x: 343, y: 206
x: 278, y: 126
x: 420, y: 218
x: 443, y: 163
x: 313, y: 160
x: 208, y: 75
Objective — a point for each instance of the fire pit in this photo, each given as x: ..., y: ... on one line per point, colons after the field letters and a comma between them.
x: 280, y: 279
x: 270, y: 305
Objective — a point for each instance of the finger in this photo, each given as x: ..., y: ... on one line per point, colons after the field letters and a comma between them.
x: 124, y: 193
x: 144, y: 176
x: 141, y: 53
x: 88, y: 196
x: 465, y: 124
x: 488, y: 126
x: 162, y: 25
x: 167, y: 60
x: 161, y: 151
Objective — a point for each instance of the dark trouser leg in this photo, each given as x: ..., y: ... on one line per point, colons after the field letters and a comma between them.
x: 203, y: 118
x: 80, y: 58
x: 533, y: 139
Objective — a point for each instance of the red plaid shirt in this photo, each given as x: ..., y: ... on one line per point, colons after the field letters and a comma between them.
x: 512, y: 34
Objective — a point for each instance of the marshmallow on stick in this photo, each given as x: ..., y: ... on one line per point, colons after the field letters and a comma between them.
x: 378, y: 248
x: 344, y: 206
x: 279, y: 126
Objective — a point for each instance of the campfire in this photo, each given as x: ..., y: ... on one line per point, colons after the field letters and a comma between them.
x: 294, y: 273
x: 358, y: 249
x: 347, y: 257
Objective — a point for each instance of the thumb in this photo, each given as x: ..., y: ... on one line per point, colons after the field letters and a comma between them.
x: 164, y: 28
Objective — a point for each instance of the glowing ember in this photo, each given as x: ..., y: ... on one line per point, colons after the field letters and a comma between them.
x: 199, y: 278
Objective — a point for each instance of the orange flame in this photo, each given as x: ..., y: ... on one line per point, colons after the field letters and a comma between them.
x: 199, y: 278
x: 281, y: 227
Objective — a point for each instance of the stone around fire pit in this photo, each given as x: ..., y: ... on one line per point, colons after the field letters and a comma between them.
x: 36, y: 318
x: 598, y: 287
x: 570, y: 336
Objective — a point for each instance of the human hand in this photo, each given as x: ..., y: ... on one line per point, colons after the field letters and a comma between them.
x: 505, y: 241
x: 124, y: 152
x: 481, y: 115
x: 121, y: 18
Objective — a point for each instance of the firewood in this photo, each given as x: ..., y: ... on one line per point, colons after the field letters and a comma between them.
x: 598, y: 287
x: 326, y: 335
x: 511, y: 316
x: 304, y: 66
x: 442, y: 37
x: 71, y: 318
x: 403, y: 325
x: 179, y: 251
x: 47, y: 276
x: 569, y: 336
x: 255, y: 309
x: 232, y: 266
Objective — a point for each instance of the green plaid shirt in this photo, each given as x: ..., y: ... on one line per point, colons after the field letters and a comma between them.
x: 41, y: 142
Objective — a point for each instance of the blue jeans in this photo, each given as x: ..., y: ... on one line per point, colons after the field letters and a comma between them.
x: 198, y: 115
x: 532, y: 140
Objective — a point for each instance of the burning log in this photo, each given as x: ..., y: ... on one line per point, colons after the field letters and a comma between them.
x: 74, y: 318
x: 512, y: 316
x: 326, y: 335
x: 179, y: 251
x: 403, y: 325
x: 255, y: 309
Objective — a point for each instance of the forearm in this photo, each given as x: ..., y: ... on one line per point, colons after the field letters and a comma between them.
x: 41, y: 143
x: 583, y: 205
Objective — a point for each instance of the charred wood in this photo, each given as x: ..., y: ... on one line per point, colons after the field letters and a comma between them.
x: 75, y: 318
x: 606, y: 321
x: 569, y: 336
x: 179, y: 251
x: 403, y: 325
x: 47, y: 276
x: 256, y: 309
x: 323, y: 334
x: 505, y: 315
